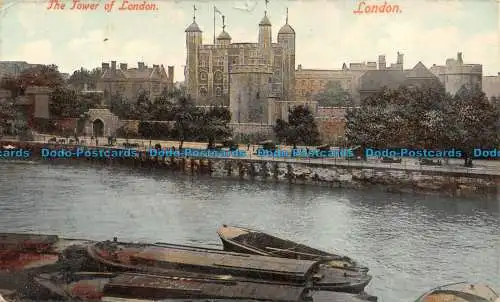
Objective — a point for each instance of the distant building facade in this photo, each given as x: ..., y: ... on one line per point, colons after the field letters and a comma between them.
x: 14, y: 68
x: 252, y: 78
x: 491, y: 85
x: 374, y: 80
x: 455, y: 74
x: 312, y: 81
x: 131, y: 82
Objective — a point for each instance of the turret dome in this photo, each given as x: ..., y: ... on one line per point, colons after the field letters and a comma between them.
x: 193, y: 28
x: 286, y: 29
x: 224, y: 36
x: 265, y: 21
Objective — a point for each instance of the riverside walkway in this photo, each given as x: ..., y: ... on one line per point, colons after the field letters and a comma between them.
x: 452, y: 166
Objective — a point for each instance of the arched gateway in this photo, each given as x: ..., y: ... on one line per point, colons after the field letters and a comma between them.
x: 101, y: 123
x: 98, y: 128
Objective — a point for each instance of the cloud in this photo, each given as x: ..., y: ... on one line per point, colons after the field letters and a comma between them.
x: 38, y: 51
x: 328, y: 34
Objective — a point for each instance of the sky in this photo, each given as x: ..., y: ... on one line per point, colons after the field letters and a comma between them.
x: 328, y: 33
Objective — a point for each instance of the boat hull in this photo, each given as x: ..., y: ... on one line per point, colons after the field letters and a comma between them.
x: 242, y: 240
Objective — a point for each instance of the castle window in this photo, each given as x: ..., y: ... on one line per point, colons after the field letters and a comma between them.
x: 218, y: 91
x: 203, y: 91
x: 219, y: 61
x: 218, y: 76
x: 203, y: 76
x: 203, y: 63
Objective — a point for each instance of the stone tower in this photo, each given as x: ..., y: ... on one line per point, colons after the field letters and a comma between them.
x: 286, y: 38
x: 193, y: 43
x: 265, y: 40
x: 249, y: 93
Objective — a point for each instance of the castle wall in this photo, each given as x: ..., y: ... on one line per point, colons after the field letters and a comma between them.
x: 491, y: 85
x: 249, y: 93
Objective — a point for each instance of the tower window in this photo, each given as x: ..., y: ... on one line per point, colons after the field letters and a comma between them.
x: 203, y: 91
x: 218, y: 76
x: 203, y: 76
x: 218, y: 91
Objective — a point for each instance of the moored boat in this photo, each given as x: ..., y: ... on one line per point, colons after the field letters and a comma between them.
x: 244, y: 240
x: 155, y: 259
x: 460, y: 292
x: 97, y: 286
x: 23, y: 251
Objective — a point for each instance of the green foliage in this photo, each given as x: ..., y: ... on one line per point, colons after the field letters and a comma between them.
x: 301, y: 128
x: 83, y: 76
x: 333, y: 95
x: 67, y: 103
x: 424, y: 117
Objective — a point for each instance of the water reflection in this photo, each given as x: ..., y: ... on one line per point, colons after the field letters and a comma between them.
x: 411, y: 243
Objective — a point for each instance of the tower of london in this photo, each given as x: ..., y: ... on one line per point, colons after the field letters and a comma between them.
x: 252, y: 78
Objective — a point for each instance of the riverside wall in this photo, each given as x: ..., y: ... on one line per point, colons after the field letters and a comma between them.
x: 350, y: 175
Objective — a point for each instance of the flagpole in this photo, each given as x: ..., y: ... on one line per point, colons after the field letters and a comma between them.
x: 214, y: 24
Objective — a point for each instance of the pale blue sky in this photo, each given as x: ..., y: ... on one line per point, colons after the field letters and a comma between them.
x: 328, y: 33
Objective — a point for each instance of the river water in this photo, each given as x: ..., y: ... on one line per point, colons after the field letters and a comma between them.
x: 410, y: 243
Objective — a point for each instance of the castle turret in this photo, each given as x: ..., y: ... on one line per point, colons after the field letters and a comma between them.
x: 224, y: 38
x: 193, y: 43
x: 286, y: 38
x: 265, y: 38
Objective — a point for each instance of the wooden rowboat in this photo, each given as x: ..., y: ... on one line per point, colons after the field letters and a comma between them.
x: 23, y: 251
x: 109, y: 286
x: 460, y: 292
x: 243, y: 240
x: 169, y: 258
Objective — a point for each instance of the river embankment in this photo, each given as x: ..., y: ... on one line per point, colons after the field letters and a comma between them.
x: 336, y: 173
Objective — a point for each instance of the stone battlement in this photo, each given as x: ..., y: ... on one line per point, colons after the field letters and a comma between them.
x: 466, y: 68
x: 251, y: 68
x: 236, y: 45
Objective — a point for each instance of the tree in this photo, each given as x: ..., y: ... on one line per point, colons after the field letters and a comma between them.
x: 13, y: 85
x: 83, y: 76
x: 300, y: 128
x: 281, y: 130
x: 41, y: 75
x: 185, y: 116
x: 216, y: 124
x: 475, y: 121
x: 333, y: 95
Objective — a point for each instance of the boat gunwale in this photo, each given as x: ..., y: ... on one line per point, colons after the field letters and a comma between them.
x: 203, y: 276
x: 353, y: 264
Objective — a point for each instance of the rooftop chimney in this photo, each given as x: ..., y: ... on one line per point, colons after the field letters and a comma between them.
x: 113, y: 65
x: 400, y: 59
x: 381, y: 62
x: 459, y: 58
x: 170, y: 73
x: 105, y: 66
x: 123, y: 66
x: 140, y: 65
x: 156, y: 66
x: 299, y: 67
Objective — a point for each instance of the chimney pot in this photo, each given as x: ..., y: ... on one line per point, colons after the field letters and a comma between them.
x: 170, y: 73
x: 105, y: 66
x: 123, y: 66
x: 140, y: 65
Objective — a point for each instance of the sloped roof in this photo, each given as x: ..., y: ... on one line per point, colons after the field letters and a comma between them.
x: 420, y: 71
x: 135, y: 73
x: 374, y: 80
